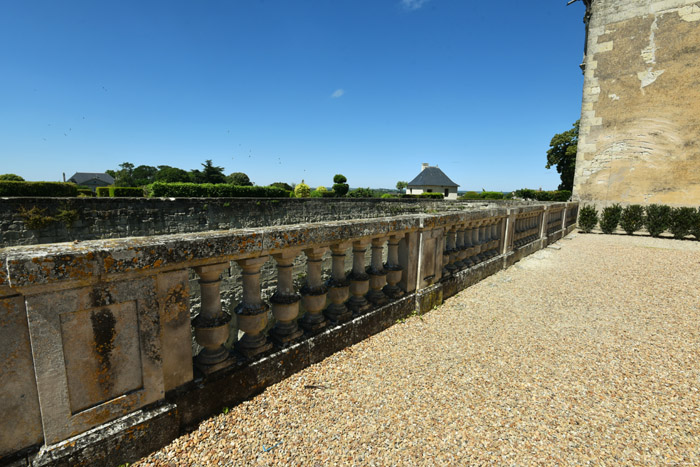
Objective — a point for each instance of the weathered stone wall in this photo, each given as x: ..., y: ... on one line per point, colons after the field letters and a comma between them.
x: 101, y: 218
x: 640, y: 121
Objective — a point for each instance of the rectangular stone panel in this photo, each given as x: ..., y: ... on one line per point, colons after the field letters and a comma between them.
x: 20, y: 423
x: 176, y: 333
x: 105, y: 338
x: 101, y: 351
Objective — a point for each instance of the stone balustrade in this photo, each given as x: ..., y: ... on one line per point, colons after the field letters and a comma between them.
x: 97, y: 334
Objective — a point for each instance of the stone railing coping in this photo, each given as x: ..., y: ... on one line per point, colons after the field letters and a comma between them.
x: 92, y: 260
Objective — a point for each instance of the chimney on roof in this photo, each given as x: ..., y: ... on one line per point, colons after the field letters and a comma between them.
x: 424, y: 166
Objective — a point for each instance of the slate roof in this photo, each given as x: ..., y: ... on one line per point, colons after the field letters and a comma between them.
x: 432, y: 176
x: 82, y: 177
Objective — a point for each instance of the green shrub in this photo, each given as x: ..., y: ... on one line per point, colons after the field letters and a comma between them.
x: 491, y: 195
x: 302, y: 190
x: 543, y: 195
x: 470, y: 195
x: 695, y: 228
x: 361, y: 193
x: 587, y: 218
x: 125, y: 192
x: 328, y: 194
x: 316, y: 194
x: 610, y: 217
x: 561, y: 195
x: 35, y: 218
x: 681, y: 221
x: 211, y: 190
x: 47, y: 189
x: 525, y: 193
x: 658, y: 219
x: 388, y: 196
x: 85, y: 192
x: 103, y: 192
x: 632, y: 218
x: 11, y: 177
x: 431, y: 195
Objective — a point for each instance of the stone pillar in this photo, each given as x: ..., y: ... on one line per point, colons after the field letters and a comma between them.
x: 476, y: 248
x: 359, y: 280
x: 409, y: 254
x: 252, y: 311
x: 469, y: 247
x: 452, y: 250
x: 493, y: 239
x: 285, y: 301
x: 211, y: 325
x: 461, y: 248
x: 482, y: 242
x: 338, y: 286
x: 314, y: 291
x: 393, y: 268
x: 377, y: 274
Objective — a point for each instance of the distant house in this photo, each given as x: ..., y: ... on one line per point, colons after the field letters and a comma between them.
x: 432, y: 180
x: 91, y: 180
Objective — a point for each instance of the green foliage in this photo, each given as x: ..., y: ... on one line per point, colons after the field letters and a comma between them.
x: 169, y: 174
x: 240, y: 179
x: 125, y: 192
x: 67, y: 216
x: 695, y: 227
x: 143, y: 175
x: 388, y: 196
x: 284, y: 186
x: 587, y: 218
x: 11, y: 178
x: 211, y: 190
x: 339, y: 178
x: 491, y: 195
x: 539, y: 195
x: 561, y: 195
x: 316, y: 194
x: 632, y: 218
x: 50, y: 189
x: 85, y: 192
x: 401, y: 185
x: 471, y: 195
x: 210, y: 173
x: 525, y: 193
x: 681, y: 221
x: 562, y: 154
x: 341, y: 189
x: 103, y: 192
x: 302, y: 190
x: 35, y: 218
x: 431, y: 195
x: 125, y: 175
x: 610, y: 217
x: 658, y: 219
x: 361, y: 193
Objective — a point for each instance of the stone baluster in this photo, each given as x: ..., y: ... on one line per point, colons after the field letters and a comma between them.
x: 469, y: 247
x: 451, y: 250
x: 314, y: 292
x: 285, y: 301
x: 252, y: 311
x: 377, y: 274
x: 493, y: 239
x: 359, y: 280
x: 338, y: 286
x: 393, y: 268
x: 482, y: 242
x: 211, y: 325
x: 461, y: 248
x: 497, y: 232
x: 475, y: 244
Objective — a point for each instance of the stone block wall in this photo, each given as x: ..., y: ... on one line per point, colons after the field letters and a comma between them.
x: 640, y: 122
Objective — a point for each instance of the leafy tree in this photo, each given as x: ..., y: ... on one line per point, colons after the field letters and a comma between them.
x: 284, y: 186
x: 124, y: 176
x: 144, y: 175
x: 302, y: 190
x: 401, y: 185
x: 361, y: 193
x: 562, y: 153
x: 11, y: 178
x: 169, y: 174
x: 239, y: 179
x: 339, y: 186
x: 212, y: 173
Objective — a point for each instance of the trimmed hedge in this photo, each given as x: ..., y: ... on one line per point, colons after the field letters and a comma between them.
x: 695, y: 227
x: 85, y: 192
x: 103, y: 192
x: 658, y: 219
x: 681, y: 221
x: 556, y: 195
x: 632, y: 218
x: 211, y: 190
x: 44, y: 189
x: 431, y: 195
x: 610, y: 217
x: 125, y: 192
x: 587, y: 218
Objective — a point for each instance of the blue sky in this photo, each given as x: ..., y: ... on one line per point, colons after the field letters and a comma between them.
x: 288, y: 90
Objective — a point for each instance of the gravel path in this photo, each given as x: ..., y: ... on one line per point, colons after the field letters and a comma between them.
x: 585, y: 352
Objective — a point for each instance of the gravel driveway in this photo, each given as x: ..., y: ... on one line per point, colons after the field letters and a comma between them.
x: 585, y: 352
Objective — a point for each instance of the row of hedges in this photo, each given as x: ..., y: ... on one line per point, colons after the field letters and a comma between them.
x: 119, y: 192
x: 486, y: 195
x: 556, y: 195
x: 656, y: 218
x: 211, y: 190
x: 52, y: 189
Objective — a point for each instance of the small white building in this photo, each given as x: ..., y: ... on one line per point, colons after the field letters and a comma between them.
x: 432, y: 180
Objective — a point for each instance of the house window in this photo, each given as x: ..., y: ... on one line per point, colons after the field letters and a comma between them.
x: 430, y: 191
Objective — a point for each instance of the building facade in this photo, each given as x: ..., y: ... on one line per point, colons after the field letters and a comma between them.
x: 432, y: 180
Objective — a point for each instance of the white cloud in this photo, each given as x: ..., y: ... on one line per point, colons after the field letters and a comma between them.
x: 413, y: 4
x: 337, y: 93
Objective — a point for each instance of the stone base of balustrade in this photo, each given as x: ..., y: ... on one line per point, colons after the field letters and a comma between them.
x: 516, y: 255
x: 250, y: 351
x: 282, y: 339
x: 120, y: 441
x: 207, y: 367
x: 338, y: 314
x: 471, y: 276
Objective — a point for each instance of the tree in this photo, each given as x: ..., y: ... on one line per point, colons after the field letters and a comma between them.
x: 11, y: 178
x: 339, y: 185
x: 239, y: 179
x: 169, y: 174
x: 144, y: 175
x: 302, y: 190
x: 361, y: 193
x: 284, y: 186
x: 124, y: 176
x: 401, y: 185
x: 210, y: 174
x: 562, y: 153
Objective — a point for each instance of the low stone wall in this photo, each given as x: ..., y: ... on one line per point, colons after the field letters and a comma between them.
x: 102, y: 218
x: 96, y: 366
